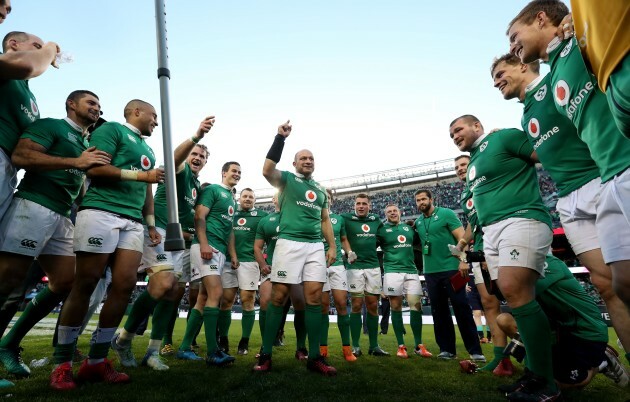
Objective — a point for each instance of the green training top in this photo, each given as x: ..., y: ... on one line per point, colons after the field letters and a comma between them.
x: 361, y: 234
x: 435, y: 232
x: 468, y: 205
x: 563, y: 154
x: 219, y: 220
x: 18, y: 109
x: 129, y: 151
x: 301, y: 202
x: 503, y: 179
x: 577, y: 96
x: 267, y: 230
x: 245, y: 226
x: 396, y: 241
x: 187, y: 185
x: 54, y: 189
x: 567, y: 305
x: 339, y: 230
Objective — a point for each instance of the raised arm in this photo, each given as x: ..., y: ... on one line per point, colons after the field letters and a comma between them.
x: 27, y: 64
x: 183, y: 150
x: 270, y: 172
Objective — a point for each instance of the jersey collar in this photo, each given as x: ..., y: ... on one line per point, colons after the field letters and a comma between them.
x: 553, y: 45
x: 133, y: 128
x: 74, y: 125
x: 479, y: 140
x: 534, y: 84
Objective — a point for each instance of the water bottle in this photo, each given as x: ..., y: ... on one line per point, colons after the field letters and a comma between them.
x: 63, y: 57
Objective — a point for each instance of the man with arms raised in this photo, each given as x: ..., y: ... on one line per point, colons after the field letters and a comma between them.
x: 364, y: 272
x: 299, y: 254
x: 517, y: 235
x: 109, y: 231
x: 166, y: 268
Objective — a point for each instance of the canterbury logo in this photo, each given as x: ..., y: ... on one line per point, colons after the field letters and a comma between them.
x: 161, y: 257
x: 282, y: 274
x: 390, y: 289
x: 95, y: 241
x: 28, y: 243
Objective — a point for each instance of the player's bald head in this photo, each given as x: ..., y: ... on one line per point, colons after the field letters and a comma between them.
x: 300, y: 153
x: 136, y: 104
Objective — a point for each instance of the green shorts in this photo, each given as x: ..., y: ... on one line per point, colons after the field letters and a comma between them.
x: 618, y: 95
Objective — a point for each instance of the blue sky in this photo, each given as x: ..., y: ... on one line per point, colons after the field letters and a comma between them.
x: 368, y: 85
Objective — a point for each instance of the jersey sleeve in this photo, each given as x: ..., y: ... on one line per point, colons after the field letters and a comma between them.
x: 342, y: 227
x: 452, y: 221
x: 207, y: 197
x: 39, y: 133
x: 105, y: 138
x: 516, y: 142
x: 284, y: 177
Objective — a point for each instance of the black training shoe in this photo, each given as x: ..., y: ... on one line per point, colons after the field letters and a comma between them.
x: 243, y: 346
x: 518, y: 384
x: 532, y: 392
x: 377, y: 351
x: 224, y: 344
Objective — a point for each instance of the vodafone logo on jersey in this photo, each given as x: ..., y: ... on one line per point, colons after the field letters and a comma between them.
x: 194, y: 193
x: 311, y: 196
x: 561, y: 93
x: 365, y: 228
x: 401, y: 239
x: 472, y: 173
x: 534, y: 128
x: 231, y: 210
x: 470, y: 204
x: 145, y: 162
x: 34, y: 108
x: 241, y: 222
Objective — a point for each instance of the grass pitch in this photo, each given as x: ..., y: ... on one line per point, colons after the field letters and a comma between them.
x: 369, y: 378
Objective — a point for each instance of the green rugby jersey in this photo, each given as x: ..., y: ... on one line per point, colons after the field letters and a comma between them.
x: 576, y: 96
x: 219, y: 220
x: 267, y: 230
x: 339, y: 230
x: 436, y: 232
x: 54, y: 189
x: 468, y: 205
x: 129, y: 151
x: 396, y: 241
x: 361, y: 234
x: 187, y: 185
x: 567, y: 304
x: 18, y: 109
x: 301, y: 202
x: 554, y: 138
x: 503, y: 179
x: 245, y: 226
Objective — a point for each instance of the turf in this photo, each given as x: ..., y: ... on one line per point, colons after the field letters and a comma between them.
x: 369, y: 378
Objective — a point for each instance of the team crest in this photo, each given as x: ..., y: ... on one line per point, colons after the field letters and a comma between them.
x: 406, y: 228
x: 145, y: 162
x: 472, y: 173
x: 241, y: 222
x: 254, y: 213
x: 311, y: 196
x: 230, y: 210
x: 72, y: 137
x: 333, y: 221
x: 483, y: 146
x: 566, y: 49
x: 372, y: 217
x: 470, y: 203
x: 365, y: 228
x: 534, y: 128
x: 34, y: 108
x: 224, y: 195
x: 132, y: 138
x: 402, y: 239
x: 540, y: 94
x: 562, y: 92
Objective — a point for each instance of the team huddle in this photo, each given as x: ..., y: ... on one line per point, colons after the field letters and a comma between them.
x: 576, y: 123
